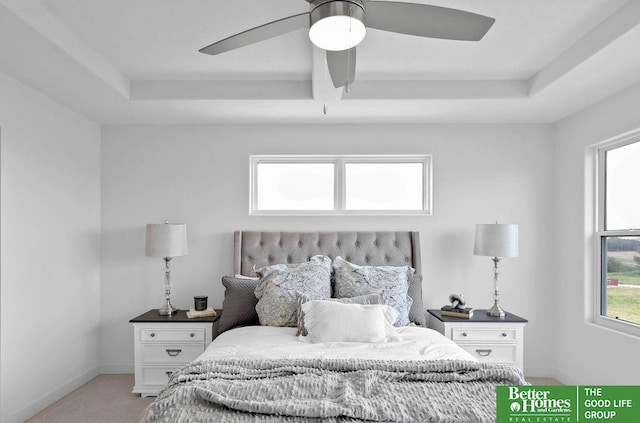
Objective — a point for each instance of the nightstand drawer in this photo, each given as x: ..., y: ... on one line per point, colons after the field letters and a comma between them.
x: 172, y: 335
x: 489, y: 339
x: 157, y: 375
x: 164, y: 344
x: 484, y: 335
x: 492, y: 353
x: 170, y: 353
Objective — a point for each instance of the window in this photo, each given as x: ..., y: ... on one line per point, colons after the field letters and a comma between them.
x: 341, y: 184
x: 295, y: 186
x: 618, y: 240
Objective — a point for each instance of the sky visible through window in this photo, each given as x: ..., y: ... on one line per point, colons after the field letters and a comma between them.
x: 384, y: 186
x: 623, y: 187
x: 357, y: 184
x: 296, y: 186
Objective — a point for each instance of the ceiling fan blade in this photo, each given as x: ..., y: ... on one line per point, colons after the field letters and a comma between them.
x: 342, y: 66
x: 259, y: 33
x: 427, y: 20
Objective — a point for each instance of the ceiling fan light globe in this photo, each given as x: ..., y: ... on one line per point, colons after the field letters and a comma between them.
x: 337, y: 33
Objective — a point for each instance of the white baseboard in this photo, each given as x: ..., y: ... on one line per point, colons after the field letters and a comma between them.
x: 539, y: 372
x: 53, y: 396
x: 116, y: 369
x: 550, y: 373
x: 563, y: 378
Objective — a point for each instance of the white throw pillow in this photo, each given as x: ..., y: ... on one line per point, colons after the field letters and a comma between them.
x: 329, y: 321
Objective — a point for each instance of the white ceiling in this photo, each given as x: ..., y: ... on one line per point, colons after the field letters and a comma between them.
x: 137, y: 61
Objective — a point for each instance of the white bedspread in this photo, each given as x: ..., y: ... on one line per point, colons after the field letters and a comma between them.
x: 415, y: 343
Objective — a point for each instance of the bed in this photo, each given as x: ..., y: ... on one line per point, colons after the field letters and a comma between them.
x: 359, y: 361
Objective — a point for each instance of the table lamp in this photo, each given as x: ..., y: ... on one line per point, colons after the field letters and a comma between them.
x: 167, y: 240
x: 496, y: 240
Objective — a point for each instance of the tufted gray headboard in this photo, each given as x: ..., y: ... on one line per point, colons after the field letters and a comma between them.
x: 255, y: 249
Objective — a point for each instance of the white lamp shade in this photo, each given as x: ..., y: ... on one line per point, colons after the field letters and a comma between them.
x: 166, y: 240
x: 496, y: 240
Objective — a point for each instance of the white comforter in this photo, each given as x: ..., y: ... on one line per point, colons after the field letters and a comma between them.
x: 415, y: 343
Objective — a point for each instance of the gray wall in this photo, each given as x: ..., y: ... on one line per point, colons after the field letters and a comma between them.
x: 583, y: 352
x: 55, y: 205
x: 50, y: 247
x: 200, y: 175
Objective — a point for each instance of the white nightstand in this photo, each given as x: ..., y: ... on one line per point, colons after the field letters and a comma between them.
x: 489, y: 339
x: 163, y: 344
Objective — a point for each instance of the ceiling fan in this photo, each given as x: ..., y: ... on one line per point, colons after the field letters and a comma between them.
x: 338, y: 26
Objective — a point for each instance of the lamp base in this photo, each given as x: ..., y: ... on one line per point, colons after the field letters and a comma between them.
x: 167, y: 310
x: 496, y: 311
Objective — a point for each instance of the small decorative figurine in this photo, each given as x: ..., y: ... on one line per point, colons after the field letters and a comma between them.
x: 457, y: 307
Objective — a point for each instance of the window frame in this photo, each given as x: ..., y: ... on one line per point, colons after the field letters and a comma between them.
x: 339, y: 183
x: 601, y: 234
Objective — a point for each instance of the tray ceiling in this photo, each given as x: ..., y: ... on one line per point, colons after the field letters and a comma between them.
x: 123, y: 61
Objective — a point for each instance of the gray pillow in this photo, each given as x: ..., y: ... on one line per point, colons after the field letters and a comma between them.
x: 239, y: 305
x: 280, y: 285
x: 353, y: 280
x: 379, y: 297
x: 416, y: 312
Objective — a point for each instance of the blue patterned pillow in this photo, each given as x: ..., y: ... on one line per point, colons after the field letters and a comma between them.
x: 280, y: 285
x: 353, y: 280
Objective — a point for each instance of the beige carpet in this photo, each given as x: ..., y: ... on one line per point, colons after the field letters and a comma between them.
x: 105, y: 399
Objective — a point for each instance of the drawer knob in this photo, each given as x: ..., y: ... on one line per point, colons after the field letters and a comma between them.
x: 504, y: 334
x: 173, y: 353
x: 464, y: 333
x: 484, y: 353
x: 152, y: 334
x: 193, y: 334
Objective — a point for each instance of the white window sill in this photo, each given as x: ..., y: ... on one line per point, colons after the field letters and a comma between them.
x: 616, y: 325
x: 340, y: 213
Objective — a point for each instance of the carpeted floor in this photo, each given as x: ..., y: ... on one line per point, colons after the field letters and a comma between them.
x: 105, y: 399
x: 108, y: 399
